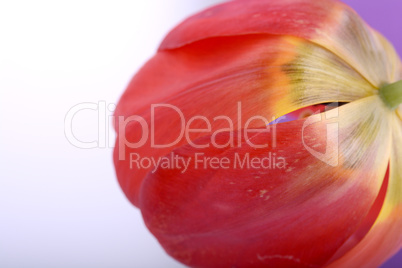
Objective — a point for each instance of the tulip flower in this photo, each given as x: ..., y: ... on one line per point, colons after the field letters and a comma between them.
x: 223, y: 179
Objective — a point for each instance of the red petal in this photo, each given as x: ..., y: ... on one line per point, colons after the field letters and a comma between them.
x: 385, y: 237
x: 269, y: 75
x: 328, y: 23
x: 296, y: 216
x: 298, y: 18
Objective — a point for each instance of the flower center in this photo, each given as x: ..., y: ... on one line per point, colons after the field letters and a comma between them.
x: 392, y: 94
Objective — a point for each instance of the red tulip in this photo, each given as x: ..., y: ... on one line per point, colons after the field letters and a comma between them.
x: 220, y: 184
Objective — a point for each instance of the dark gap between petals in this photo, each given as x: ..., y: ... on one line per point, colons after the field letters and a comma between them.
x: 307, y: 111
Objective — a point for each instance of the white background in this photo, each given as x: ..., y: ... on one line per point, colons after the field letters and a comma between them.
x: 61, y: 206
